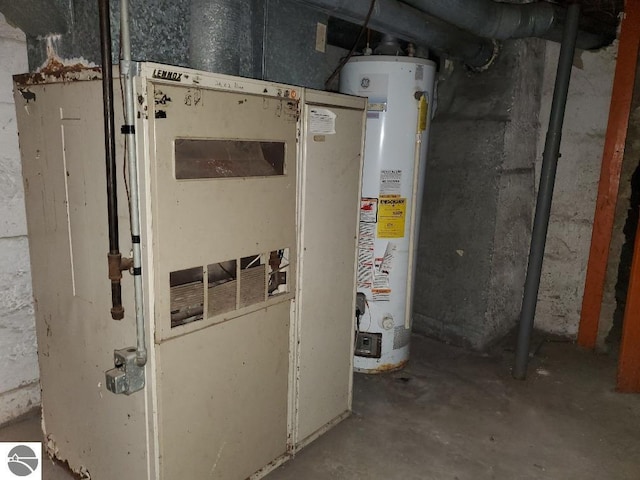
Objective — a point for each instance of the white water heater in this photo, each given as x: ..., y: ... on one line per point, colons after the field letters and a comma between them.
x: 400, y: 97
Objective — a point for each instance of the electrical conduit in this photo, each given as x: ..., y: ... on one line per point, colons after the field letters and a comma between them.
x: 128, y: 130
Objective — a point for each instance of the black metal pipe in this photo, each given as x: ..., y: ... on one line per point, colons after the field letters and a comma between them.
x: 117, y: 311
x: 545, y: 191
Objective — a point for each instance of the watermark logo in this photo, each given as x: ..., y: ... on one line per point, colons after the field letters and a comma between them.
x: 20, y: 461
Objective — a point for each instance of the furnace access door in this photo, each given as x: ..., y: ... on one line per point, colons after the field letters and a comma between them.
x: 223, y: 200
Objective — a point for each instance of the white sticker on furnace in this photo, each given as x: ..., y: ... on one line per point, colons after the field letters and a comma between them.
x: 322, y: 121
x: 390, y: 181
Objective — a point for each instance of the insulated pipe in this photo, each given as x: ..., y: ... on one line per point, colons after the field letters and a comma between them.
x: 406, y: 23
x: 114, y: 257
x: 501, y: 21
x: 128, y: 129
x: 545, y: 191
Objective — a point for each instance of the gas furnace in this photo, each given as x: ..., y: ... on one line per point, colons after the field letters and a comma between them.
x: 249, y: 201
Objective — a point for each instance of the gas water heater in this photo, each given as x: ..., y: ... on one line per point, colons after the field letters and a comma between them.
x: 248, y: 195
x: 400, y: 97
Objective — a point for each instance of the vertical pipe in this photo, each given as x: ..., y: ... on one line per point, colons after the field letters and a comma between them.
x: 411, y: 269
x: 132, y: 164
x: 117, y: 311
x: 545, y: 191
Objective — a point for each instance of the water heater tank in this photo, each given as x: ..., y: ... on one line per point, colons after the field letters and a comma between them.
x: 400, y: 96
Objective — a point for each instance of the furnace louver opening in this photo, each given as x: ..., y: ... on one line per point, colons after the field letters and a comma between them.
x: 187, y: 296
x: 232, y: 286
x: 223, y: 286
x: 196, y: 159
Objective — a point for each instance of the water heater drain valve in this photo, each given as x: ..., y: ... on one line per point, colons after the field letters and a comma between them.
x: 127, y: 377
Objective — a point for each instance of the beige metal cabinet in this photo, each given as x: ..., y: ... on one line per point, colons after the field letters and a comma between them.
x: 249, y: 206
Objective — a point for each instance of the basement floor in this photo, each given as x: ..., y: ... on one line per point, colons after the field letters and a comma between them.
x: 458, y: 415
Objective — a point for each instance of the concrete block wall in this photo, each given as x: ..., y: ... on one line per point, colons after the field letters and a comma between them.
x: 569, y: 237
x: 486, y: 149
x: 19, y: 387
x: 477, y: 210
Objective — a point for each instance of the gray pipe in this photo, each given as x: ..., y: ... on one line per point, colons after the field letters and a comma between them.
x: 134, y: 189
x: 545, y: 191
x: 406, y: 23
x: 501, y: 21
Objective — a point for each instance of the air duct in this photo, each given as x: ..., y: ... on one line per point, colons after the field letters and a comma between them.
x: 501, y: 21
x: 37, y: 17
x: 406, y: 23
x: 220, y: 36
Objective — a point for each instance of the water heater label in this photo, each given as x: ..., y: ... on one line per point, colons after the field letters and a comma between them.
x: 366, y: 242
x: 322, y: 121
x: 391, y: 217
x: 369, y: 210
x: 390, y: 182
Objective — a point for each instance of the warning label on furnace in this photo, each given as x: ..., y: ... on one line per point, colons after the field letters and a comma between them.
x: 391, y: 217
x: 322, y: 121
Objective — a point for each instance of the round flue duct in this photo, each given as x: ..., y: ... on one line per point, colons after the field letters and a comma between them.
x: 220, y: 38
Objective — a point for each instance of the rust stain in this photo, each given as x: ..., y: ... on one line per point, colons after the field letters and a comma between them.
x: 55, y: 70
x: 389, y: 367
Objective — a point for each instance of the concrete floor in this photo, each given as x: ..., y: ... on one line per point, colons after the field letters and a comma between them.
x: 458, y: 415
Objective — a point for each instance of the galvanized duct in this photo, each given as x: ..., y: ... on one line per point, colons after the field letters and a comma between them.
x: 37, y: 17
x: 220, y: 36
x: 501, y: 21
x: 407, y: 23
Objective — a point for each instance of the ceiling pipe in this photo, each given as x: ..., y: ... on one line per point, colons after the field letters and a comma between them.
x: 502, y: 21
x: 406, y: 23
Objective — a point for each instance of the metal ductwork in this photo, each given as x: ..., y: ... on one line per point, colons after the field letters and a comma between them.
x: 220, y: 38
x: 407, y: 23
x: 37, y: 17
x: 502, y: 21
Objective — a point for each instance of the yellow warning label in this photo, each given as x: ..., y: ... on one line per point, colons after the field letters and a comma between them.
x: 391, y: 215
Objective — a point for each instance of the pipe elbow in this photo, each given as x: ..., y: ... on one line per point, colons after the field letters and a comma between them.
x: 141, y: 357
x: 487, y: 54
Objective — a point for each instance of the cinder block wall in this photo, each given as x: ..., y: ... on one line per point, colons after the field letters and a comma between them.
x: 574, y: 198
x: 479, y: 197
x: 19, y: 387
